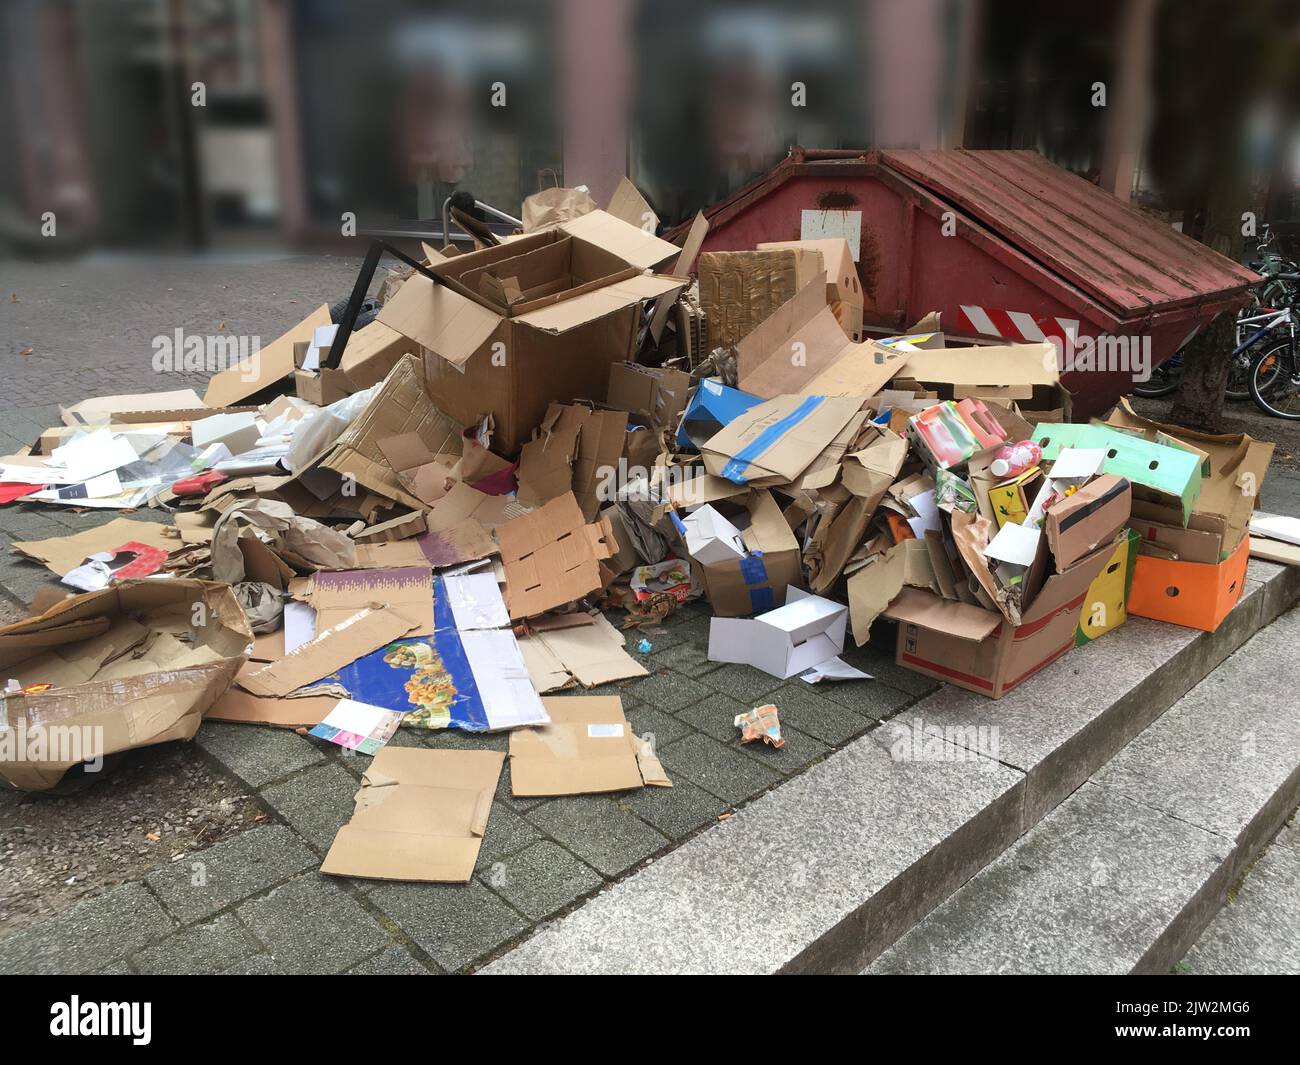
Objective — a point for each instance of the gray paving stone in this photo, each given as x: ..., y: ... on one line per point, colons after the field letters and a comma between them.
x: 458, y: 740
x: 745, y: 683
x: 870, y: 698
x: 689, y: 657
x: 1258, y: 931
x: 598, y: 831
x: 714, y: 716
x: 254, y: 754
x: 91, y: 936
x: 455, y: 924
x: 395, y: 961
x: 1087, y: 890
x: 1100, y: 695
x: 879, y: 662
x: 803, y: 708
x: 541, y: 880
x: 798, y: 751
x: 316, y: 802
x: 716, y: 768
x: 669, y: 691
x: 230, y: 871
x: 507, y: 833
x: 256, y: 965
x: 677, y: 811
x: 805, y: 856
x: 656, y: 726
x: 199, y: 949
x: 311, y: 926
x: 661, y: 639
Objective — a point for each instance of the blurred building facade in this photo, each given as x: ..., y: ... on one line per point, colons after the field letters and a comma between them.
x: 199, y: 123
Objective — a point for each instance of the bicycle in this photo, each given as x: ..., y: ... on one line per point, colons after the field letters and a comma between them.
x: 1168, y: 376
x: 1275, y: 372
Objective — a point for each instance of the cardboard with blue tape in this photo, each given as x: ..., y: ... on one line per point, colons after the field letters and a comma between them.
x: 757, y: 580
x: 774, y: 442
x: 711, y: 408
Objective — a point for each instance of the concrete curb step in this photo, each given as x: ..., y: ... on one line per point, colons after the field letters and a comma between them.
x: 829, y: 870
x: 1128, y: 871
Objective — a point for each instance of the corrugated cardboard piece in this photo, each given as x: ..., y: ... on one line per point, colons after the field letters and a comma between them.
x: 129, y: 669
x: 400, y: 406
x: 590, y: 654
x: 365, y: 631
x: 803, y: 349
x: 273, y: 363
x: 1232, y: 472
x: 420, y: 815
x: 1195, y: 594
x: 62, y: 553
x: 740, y: 290
x: 588, y: 748
x: 552, y: 557
x: 774, y: 442
x: 759, y: 580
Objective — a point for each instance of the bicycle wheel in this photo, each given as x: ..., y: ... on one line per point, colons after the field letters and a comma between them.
x: 1163, y: 381
x: 1275, y: 382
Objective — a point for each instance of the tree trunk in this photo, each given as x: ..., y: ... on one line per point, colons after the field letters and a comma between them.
x: 1205, y: 375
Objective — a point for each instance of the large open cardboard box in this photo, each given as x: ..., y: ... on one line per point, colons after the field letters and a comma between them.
x: 508, y: 330
x: 978, y: 649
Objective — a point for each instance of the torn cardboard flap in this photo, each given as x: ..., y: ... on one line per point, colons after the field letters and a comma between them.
x: 399, y: 406
x: 872, y: 588
x: 463, y: 503
x: 119, y: 698
x: 244, y: 708
x: 588, y: 748
x: 420, y: 815
x: 1092, y: 516
x: 63, y: 553
x: 961, y: 620
x: 274, y: 362
x: 628, y: 205
x: 357, y: 635
x: 336, y: 595
x: 591, y: 654
x: 802, y: 349
x: 546, y: 463
x: 629, y: 242
x: 424, y: 474
x: 552, y: 557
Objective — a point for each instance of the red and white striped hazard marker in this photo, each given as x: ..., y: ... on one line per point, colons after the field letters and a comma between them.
x: 1016, y: 325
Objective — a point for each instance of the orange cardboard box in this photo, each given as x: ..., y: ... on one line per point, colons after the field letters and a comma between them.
x: 1195, y: 594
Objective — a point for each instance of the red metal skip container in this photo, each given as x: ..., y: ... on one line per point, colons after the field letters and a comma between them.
x: 1030, y: 251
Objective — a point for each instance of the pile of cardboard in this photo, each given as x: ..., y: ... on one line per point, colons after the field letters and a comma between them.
x: 434, y: 529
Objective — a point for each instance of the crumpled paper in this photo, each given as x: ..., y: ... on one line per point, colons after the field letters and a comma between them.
x: 276, y: 525
x: 263, y: 605
x: 761, y: 723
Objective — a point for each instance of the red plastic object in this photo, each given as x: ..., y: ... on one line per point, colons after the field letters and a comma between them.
x: 200, y: 485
